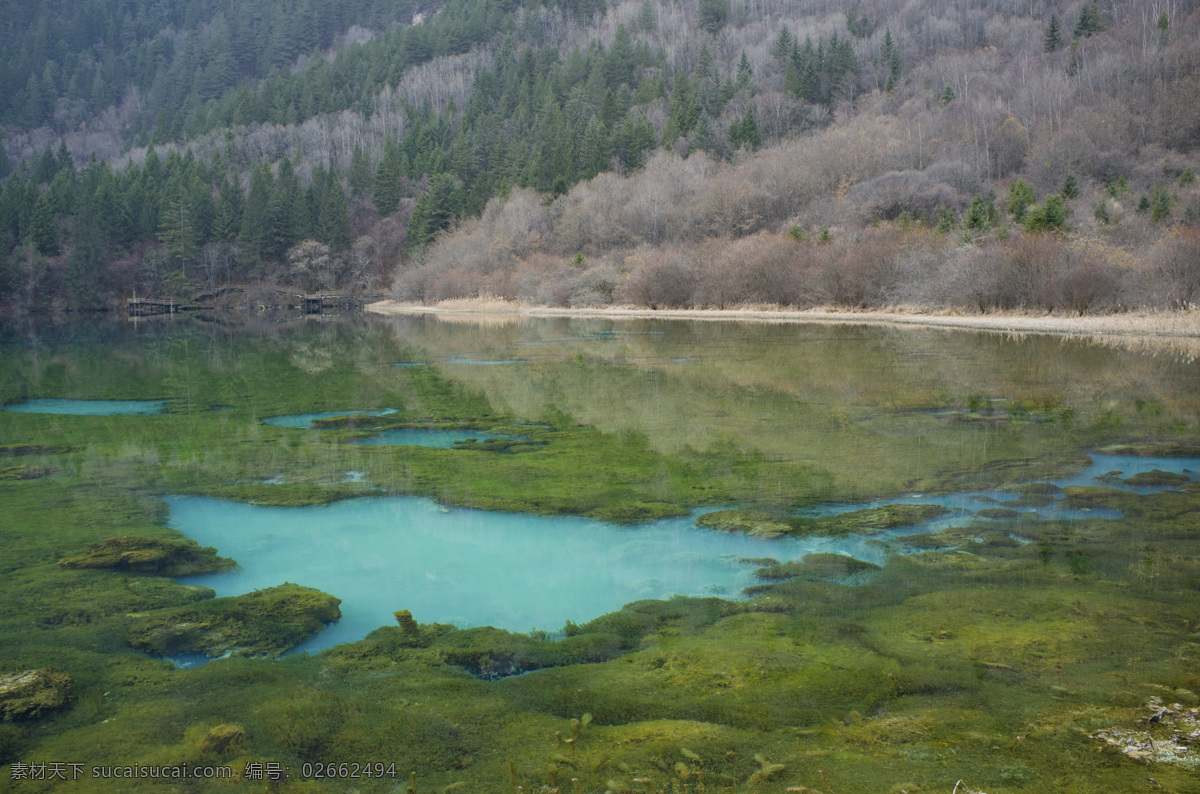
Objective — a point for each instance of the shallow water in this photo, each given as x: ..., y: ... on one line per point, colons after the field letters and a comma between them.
x: 522, y: 572
x: 474, y: 567
x: 929, y: 673
x: 88, y: 407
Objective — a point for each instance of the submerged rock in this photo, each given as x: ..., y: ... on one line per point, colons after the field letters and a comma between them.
x: 27, y: 695
x: 181, y: 557
x: 263, y: 623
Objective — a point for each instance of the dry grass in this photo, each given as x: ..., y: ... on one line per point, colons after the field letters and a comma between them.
x: 1178, y: 331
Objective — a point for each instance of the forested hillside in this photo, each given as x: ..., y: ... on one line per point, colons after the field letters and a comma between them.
x: 984, y: 154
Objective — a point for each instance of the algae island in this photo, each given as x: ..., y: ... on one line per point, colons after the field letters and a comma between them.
x: 992, y: 576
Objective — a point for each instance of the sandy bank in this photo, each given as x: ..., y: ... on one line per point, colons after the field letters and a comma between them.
x: 1181, y: 325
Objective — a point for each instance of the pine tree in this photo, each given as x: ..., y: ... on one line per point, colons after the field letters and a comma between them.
x: 647, y: 18
x: 785, y: 42
x: 1053, y: 34
x: 1020, y: 196
x: 713, y: 14
x: 254, y: 229
x: 750, y: 135
x: 745, y: 74
x: 1070, y: 188
x: 891, y: 58
x: 386, y: 190
x: 1051, y: 216
x: 435, y: 210
x: 359, y: 177
x: 43, y: 227
x: 1090, y: 21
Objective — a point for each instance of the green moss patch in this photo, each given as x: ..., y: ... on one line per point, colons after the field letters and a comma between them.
x: 169, y: 557
x: 870, y: 521
x: 753, y: 523
x: 263, y: 623
x: 838, y: 568
x: 1157, y: 477
x: 29, y: 694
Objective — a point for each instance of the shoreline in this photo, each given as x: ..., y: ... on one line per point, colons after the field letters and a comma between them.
x: 1162, y: 325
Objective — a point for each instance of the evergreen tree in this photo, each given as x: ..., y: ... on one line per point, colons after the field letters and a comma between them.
x: 359, y: 177
x: 1160, y: 206
x: 254, y: 230
x: 785, y: 43
x: 647, y: 18
x: 86, y: 258
x: 178, y: 232
x: 982, y: 214
x: 1053, y: 34
x: 287, y: 212
x: 43, y: 227
x: 1070, y: 188
x: 436, y: 209
x: 333, y: 219
x: 745, y: 74
x: 703, y: 136
x: 386, y: 190
x: 230, y: 208
x: 1020, y: 196
x: 1051, y: 216
x: 1090, y: 21
x: 713, y: 14
x: 891, y: 58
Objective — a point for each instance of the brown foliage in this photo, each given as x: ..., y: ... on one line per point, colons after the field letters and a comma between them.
x: 1177, y: 269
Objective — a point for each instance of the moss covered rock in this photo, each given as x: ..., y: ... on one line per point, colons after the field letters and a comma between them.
x: 1157, y: 477
x: 820, y: 568
x: 182, y: 557
x: 29, y: 694
x: 263, y: 623
x: 752, y: 522
x: 870, y: 521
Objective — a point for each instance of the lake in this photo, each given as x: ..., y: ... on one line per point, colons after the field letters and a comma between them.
x: 918, y: 556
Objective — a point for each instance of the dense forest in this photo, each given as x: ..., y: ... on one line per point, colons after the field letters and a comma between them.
x: 1035, y: 154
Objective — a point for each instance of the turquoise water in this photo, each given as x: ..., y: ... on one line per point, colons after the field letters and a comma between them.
x: 88, y: 407
x: 418, y: 437
x: 1104, y: 471
x: 306, y: 420
x: 523, y: 572
x: 472, y: 567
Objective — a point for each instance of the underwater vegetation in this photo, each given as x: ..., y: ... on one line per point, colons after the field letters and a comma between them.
x: 1010, y: 650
